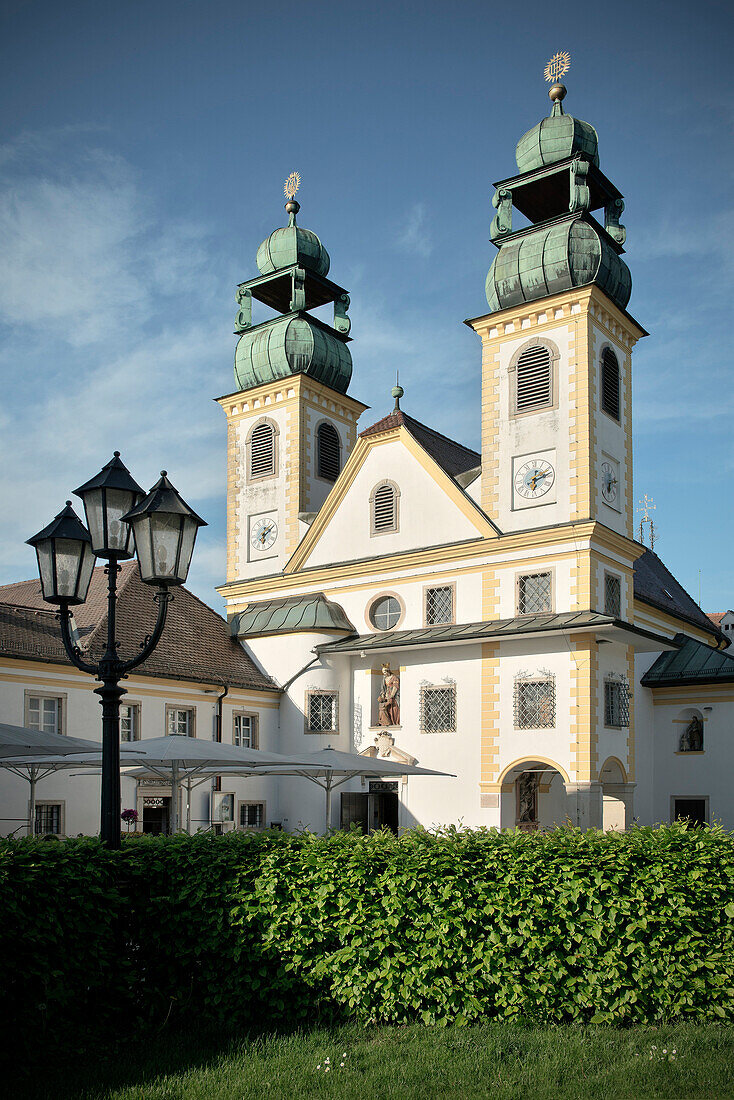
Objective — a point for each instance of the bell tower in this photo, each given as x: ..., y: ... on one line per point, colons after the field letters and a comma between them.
x: 557, y: 341
x: 290, y: 424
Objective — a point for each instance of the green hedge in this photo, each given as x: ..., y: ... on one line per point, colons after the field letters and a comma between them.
x: 445, y: 927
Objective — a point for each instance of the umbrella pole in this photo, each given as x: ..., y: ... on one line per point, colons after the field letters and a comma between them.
x: 328, y: 803
x: 32, y: 779
x: 174, y: 798
x: 188, y: 805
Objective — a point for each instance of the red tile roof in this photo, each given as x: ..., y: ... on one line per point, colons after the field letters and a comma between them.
x: 196, y: 643
x: 453, y: 457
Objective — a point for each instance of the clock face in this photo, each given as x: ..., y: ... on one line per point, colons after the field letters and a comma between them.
x: 263, y: 534
x: 534, y: 478
x: 609, y: 483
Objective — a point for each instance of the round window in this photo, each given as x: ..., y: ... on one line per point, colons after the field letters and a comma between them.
x: 385, y: 613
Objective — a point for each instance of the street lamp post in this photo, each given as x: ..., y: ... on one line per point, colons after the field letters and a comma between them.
x: 163, y: 529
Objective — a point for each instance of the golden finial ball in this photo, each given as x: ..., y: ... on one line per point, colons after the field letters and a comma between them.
x: 557, y: 92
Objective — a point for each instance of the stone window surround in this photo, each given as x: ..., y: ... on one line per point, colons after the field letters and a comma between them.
x: 675, y: 797
x: 251, y: 802
x: 249, y: 480
x: 138, y: 705
x: 396, y: 497
x: 381, y: 596
x: 555, y: 356
x: 317, y: 425
x: 307, y: 708
x: 531, y: 573
x: 612, y: 419
x: 176, y: 706
x: 426, y: 588
x: 616, y: 576
x: 32, y: 693
x: 61, y: 803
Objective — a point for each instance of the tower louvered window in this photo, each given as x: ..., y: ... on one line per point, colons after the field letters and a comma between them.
x: 534, y: 381
x: 262, y: 451
x: 385, y: 509
x: 610, y: 383
x: 328, y: 452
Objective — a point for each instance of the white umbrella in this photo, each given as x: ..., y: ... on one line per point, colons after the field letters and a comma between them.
x: 327, y: 765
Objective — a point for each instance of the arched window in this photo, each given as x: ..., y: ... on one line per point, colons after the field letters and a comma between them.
x: 534, y: 379
x: 262, y: 450
x: 328, y: 452
x: 610, y: 383
x: 384, y: 508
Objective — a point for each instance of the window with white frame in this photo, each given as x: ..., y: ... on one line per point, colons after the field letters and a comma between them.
x: 534, y: 593
x: 245, y: 731
x: 438, y: 708
x: 534, y: 379
x: 262, y: 451
x: 610, y: 383
x: 612, y: 595
x: 252, y: 815
x: 44, y: 712
x: 321, y: 712
x: 384, y: 508
x: 49, y: 818
x: 440, y: 605
x: 616, y: 704
x: 180, y: 721
x: 129, y: 721
x: 535, y: 702
x: 328, y: 452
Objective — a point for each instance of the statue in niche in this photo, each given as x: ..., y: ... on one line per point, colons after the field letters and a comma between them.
x: 388, y: 701
x: 527, y: 799
x: 692, y: 737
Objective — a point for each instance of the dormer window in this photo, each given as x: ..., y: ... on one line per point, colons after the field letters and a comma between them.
x: 610, y: 383
x: 328, y: 452
x: 384, y: 508
x: 263, y: 454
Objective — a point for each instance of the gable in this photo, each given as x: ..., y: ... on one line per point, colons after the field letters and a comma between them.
x: 432, y: 509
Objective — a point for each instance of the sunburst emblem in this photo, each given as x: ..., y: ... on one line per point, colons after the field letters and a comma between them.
x: 557, y: 67
x: 291, y: 185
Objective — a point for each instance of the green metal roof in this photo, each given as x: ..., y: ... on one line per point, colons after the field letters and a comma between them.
x: 289, y: 615
x: 569, y: 252
x: 694, y: 663
x: 469, y: 632
x: 292, y: 244
x: 555, y: 138
x: 293, y: 344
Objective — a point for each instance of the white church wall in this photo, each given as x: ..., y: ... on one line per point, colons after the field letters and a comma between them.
x: 264, y: 497
x: 690, y: 774
x: 610, y: 441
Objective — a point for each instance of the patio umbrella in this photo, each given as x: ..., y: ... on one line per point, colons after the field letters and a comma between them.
x: 34, y: 754
x: 329, y: 768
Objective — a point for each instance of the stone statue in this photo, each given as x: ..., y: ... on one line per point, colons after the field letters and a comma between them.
x: 388, y: 701
x: 692, y: 737
x: 527, y: 786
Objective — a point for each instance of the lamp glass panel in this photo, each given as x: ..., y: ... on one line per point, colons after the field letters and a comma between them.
x: 143, y: 546
x: 94, y: 508
x: 85, y: 573
x: 187, y: 547
x: 44, y: 553
x: 68, y: 553
x: 119, y: 501
x: 165, y: 533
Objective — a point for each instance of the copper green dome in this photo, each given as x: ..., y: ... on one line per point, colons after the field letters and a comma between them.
x: 288, y: 345
x: 554, y: 139
x: 292, y: 245
x: 554, y: 258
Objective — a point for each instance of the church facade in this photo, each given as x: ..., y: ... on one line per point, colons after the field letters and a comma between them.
x: 489, y: 615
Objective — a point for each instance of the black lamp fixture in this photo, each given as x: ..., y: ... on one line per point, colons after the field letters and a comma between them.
x: 163, y: 530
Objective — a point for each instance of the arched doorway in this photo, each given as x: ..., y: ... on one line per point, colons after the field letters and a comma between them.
x: 616, y: 795
x: 533, y: 796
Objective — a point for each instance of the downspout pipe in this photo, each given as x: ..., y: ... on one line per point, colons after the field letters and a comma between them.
x: 217, y: 780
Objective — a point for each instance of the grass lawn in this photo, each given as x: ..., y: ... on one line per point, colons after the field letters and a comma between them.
x: 494, y: 1059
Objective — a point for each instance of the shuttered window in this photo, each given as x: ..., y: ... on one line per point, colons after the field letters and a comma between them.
x: 534, y: 379
x: 262, y: 451
x: 384, y: 509
x: 328, y: 452
x: 610, y: 383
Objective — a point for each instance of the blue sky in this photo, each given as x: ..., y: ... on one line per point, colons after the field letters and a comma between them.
x: 143, y: 148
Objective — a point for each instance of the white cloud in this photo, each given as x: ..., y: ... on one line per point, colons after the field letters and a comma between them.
x: 415, y: 236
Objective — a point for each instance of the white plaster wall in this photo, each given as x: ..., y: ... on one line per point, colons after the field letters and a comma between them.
x: 610, y: 435
x: 468, y: 599
x: 532, y: 434
x: 645, y: 750
x: 611, y: 741
x: 693, y: 775
x: 561, y: 569
x: 267, y: 496
x: 316, y: 488
x: 427, y: 516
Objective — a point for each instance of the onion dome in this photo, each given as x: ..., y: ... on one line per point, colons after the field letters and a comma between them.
x: 292, y: 245
x: 556, y: 138
x: 553, y: 258
x: 294, y: 344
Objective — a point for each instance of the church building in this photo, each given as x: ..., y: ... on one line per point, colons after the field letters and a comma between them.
x: 489, y: 615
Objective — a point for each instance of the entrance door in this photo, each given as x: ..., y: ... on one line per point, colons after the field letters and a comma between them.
x: 155, y: 815
x: 383, y: 806
x: 354, y: 810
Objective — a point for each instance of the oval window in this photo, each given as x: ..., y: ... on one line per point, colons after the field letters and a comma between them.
x: 385, y: 613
